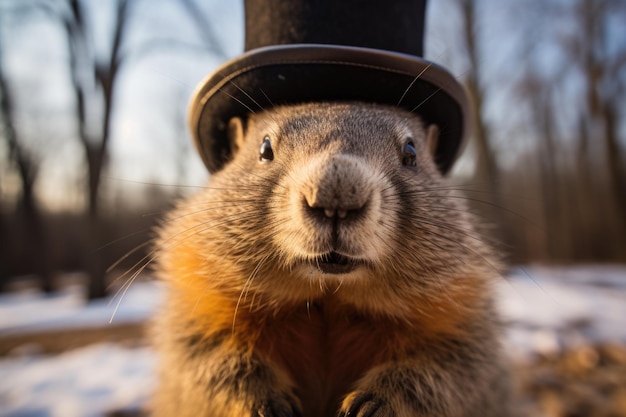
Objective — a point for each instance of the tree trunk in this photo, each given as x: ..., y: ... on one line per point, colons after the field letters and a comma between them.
x: 486, y: 171
x: 27, y: 211
x: 615, y: 164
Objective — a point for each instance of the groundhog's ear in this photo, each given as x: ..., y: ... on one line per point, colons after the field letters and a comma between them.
x: 432, y: 138
x: 236, y: 133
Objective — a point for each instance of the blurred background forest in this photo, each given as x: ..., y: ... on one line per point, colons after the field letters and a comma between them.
x: 94, y: 145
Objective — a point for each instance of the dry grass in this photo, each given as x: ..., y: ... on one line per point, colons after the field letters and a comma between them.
x: 56, y: 341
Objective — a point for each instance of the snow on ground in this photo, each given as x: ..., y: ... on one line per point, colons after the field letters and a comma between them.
x: 90, y: 381
x: 545, y: 309
x: 31, y: 312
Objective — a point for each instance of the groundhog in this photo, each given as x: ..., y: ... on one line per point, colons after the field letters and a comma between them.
x: 328, y: 270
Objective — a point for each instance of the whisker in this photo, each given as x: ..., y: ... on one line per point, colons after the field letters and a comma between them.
x: 127, y: 254
x: 417, y: 77
x: 158, y: 184
x: 247, y: 284
x: 487, y: 203
x: 125, y: 288
x: 238, y: 101
x: 120, y: 239
x: 271, y: 181
x: 247, y: 95
x: 338, y: 286
x: 425, y: 100
x: 266, y: 96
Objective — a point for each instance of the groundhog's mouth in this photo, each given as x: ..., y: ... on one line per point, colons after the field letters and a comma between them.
x: 334, y: 263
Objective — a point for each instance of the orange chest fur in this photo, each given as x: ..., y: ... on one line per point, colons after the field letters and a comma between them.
x: 326, y: 350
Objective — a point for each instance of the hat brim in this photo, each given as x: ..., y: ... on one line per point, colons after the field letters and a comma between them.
x: 300, y: 73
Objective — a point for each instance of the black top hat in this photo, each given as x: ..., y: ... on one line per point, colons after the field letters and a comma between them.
x: 319, y: 50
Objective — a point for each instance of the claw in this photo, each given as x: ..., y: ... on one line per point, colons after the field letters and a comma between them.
x: 363, y: 405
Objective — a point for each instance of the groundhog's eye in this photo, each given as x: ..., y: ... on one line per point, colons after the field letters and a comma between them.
x: 266, y: 154
x: 409, y: 155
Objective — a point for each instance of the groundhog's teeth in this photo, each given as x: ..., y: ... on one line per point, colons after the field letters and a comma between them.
x: 335, y: 258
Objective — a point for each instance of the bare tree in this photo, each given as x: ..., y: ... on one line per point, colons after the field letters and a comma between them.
x: 27, y: 166
x: 95, y: 141
x: 486, y: 166
x: 580, y: 163
x: 102, y: 86
x: 95, y: 85
x: 590, y: 50
x: 486, y: 197
x: 576, y: 124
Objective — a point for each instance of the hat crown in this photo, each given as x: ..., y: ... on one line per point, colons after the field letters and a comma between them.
x: 393, y: 26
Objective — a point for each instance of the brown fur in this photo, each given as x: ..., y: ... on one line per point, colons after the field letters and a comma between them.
x: 252, y: 327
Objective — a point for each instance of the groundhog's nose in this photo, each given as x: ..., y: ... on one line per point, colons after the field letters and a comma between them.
x: 339, y: 189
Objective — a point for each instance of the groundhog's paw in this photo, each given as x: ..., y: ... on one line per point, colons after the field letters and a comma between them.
x: 364, y: 404
x: 277, y: 407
